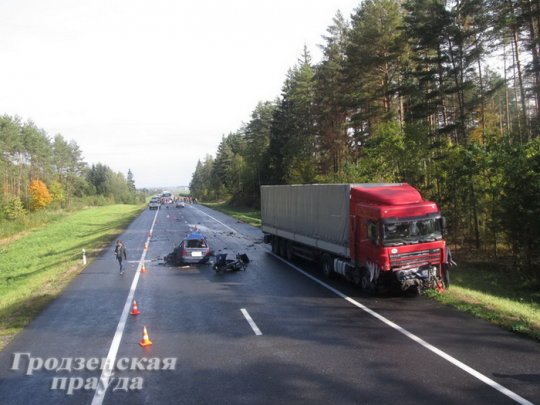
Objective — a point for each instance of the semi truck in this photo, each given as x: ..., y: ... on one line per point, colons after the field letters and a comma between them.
x: 375, y: 235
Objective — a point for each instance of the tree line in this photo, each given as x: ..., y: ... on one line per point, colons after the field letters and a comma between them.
x: 37, y: 171
x: 444, y: 95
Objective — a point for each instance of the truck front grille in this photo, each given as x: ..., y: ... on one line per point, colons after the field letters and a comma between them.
x: 415, y: 259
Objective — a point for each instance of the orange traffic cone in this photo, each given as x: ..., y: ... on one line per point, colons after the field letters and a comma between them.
x: 143, y: 269
x: 145, y: 341
x: 135, y: 309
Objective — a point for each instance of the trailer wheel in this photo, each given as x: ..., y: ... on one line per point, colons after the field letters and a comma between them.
x: 282, y: 247
x: 327, y: 266
x: 275, y: 245
x: 289, y: 250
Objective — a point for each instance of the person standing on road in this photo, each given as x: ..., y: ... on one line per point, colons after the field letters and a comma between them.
x: 121, y: 254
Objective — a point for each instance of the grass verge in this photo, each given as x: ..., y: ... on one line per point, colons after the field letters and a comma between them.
x: 12, y: 230
x: 495, y: 293
x: 37, y: 266
x: 487, y: 290
x: 247, y: 215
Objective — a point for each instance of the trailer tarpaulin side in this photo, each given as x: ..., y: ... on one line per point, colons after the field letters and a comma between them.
x: 314, y: 214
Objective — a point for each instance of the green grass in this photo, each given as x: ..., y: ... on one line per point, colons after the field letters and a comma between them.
x: 35, y: 267
x: 495, y: 293
x: 17, y: 228
x: 488, y: 290
x: 247, y: 215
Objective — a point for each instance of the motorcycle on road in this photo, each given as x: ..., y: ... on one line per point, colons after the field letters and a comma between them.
x: 223, y: 264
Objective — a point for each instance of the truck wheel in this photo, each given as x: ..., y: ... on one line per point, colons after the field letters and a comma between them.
x: 356, y: 277
x: 365, y: 282
x: 327, y: 266
x: 446, y: 277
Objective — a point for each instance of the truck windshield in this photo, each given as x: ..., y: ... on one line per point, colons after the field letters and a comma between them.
x: 411, y: 231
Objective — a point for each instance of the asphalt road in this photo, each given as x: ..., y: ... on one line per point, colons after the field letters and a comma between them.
x: 310, y: 340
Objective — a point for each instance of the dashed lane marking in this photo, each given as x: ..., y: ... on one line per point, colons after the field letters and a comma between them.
x: 106, y: 374
x: 251, y: 322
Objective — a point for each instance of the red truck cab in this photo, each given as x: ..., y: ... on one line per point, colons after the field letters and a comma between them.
x: 396, y: 237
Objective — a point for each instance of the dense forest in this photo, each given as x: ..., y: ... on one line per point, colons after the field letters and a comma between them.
x: 444, y: 95
x: 39, y: 172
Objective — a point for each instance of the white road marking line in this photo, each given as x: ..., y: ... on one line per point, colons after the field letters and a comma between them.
x: 113, y: 350
x: 503, y: 390
x: 251, y: 322
x: 217, y: 220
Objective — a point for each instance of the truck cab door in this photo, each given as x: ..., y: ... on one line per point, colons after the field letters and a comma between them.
x: 369, y: 244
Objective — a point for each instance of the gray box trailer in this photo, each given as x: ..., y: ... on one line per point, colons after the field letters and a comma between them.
x: 315, y: 215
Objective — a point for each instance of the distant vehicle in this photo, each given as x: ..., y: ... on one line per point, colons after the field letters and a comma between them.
x: 193, y: 249
x: 166, y: 197
x: 180, y: 204
x: 154, y: 204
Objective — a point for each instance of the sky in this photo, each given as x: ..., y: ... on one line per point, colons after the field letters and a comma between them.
x: 152, y: 85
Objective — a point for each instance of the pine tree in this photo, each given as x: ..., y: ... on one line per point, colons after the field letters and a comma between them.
x: 293, y: 136
x: 131, y: 182
x: 330, y: 107
x: 257, y: 137
x: 374, y: 59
